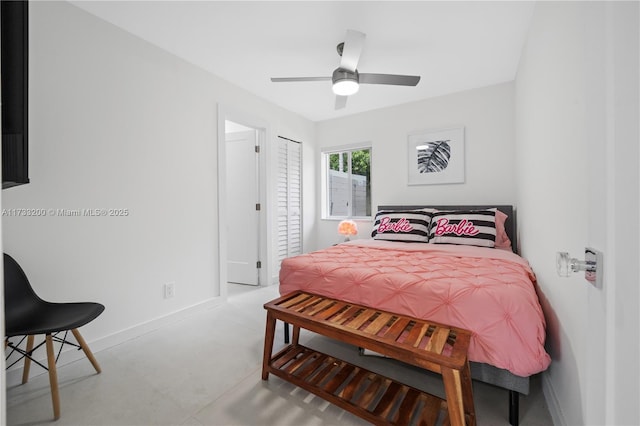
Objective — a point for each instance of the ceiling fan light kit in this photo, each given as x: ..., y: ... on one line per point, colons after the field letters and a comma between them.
x: 346, y: 79
x: 345, y: 82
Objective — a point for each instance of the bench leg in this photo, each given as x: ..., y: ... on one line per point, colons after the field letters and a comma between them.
x: 269, y: 335
x: 455, y: 399
x: 296, y: 335
x: 286, y: 332
x: 467, y: 394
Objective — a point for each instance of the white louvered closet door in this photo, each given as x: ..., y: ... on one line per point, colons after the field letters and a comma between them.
x: 289, y: 198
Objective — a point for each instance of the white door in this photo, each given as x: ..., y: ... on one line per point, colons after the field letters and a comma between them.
x: 242, y: 214
x: 289, y: 198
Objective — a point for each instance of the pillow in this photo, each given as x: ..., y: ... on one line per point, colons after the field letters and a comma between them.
x: 502, y: 239
x: 402, y: 225
x: 464, y: 227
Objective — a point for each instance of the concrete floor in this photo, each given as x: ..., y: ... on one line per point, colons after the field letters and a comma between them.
x: 205, y: 370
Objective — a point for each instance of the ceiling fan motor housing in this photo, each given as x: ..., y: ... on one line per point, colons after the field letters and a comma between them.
x: 345, y: 82
x: 341, y: 74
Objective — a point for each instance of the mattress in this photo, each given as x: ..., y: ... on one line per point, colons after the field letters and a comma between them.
x: 490, y: 292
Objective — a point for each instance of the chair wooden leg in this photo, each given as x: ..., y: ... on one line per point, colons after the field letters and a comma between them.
x: 86, y: 350
x: 53, y: 377
x: 27, y: 359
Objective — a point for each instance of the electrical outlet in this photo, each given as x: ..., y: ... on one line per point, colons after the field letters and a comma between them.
x: 169, y: 290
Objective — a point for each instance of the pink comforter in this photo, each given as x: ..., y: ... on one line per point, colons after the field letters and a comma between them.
x: 487, y: 291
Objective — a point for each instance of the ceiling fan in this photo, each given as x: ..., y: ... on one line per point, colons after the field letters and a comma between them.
x: 346, y: 79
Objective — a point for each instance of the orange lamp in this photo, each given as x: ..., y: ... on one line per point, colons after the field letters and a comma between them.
x: 347, y: 228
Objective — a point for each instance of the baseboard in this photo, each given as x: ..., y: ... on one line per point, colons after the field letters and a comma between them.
x: 552, y: 401
x: 14, y: 375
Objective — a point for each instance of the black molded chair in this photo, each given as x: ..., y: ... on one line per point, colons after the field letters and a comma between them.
x: 28, y: 315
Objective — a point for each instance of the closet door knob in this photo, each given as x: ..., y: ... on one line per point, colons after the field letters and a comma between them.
x: 592, y: 265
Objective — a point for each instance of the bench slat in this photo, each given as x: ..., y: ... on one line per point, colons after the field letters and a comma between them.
x: 331, y: 311
x: 330, y: 365
x: 345, y: 371
x: 416, y: 334
x: 362, y: 317
x: 396, y: 330
x: 438, y: 340
x: 300, y: 307
x: 294, y: 300
x: 285, y: 358
x: 354, y: 385
x: 319, y: 307
x: 345, y: 315
x: 370, y: 392
x: 299, y: 362
x: 376, y: 326
x: 407, y: 407
x: 388, y: 399
x: 430, y: 411
x: 313, y: 366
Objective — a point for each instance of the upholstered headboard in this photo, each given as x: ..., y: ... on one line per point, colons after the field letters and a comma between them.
x: 509, y: 225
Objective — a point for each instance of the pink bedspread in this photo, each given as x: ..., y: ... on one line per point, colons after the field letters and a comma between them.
x: 487, y: 291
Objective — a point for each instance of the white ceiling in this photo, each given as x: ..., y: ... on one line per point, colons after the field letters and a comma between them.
x: 452, y: 45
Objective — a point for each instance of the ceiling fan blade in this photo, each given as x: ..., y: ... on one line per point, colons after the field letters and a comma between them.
x: 353, y: 44
x: 394, y: 79
x: 290, y: 79
x: 341, y: 102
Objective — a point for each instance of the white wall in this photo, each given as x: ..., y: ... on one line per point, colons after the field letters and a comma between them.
x: 118, y: 123
x: 488, y: 117
x: 577, y: 176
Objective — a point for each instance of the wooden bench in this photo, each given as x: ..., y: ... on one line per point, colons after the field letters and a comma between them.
x: 378, y: 399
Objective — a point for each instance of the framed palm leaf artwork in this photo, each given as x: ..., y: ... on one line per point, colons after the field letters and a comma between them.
x: 436, y: 156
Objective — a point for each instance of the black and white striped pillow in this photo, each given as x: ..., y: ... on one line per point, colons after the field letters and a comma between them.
x: 470, y: 227
x: 402, y: 225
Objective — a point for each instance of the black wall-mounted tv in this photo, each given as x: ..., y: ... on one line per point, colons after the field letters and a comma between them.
x: 14, y: 35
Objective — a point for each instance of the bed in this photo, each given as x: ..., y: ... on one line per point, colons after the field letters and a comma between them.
x: 451, y: 264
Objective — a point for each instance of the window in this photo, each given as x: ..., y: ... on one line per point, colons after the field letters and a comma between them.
x: 347, y: 182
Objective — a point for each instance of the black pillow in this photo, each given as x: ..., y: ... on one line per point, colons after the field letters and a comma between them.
x: 464, y: 227
x: 402, y: 225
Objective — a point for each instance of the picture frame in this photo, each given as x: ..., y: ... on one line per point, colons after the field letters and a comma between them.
x: 436, y: 156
